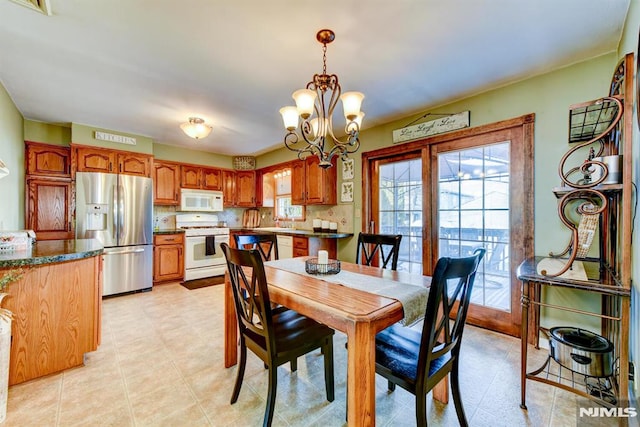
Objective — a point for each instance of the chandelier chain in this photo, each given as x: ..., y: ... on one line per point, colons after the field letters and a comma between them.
x: 324, y: 58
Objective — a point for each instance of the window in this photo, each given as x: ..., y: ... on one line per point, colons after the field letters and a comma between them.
x: 283, y: 209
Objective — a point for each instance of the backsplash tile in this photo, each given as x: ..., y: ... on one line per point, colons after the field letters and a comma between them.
x: 340, y: 214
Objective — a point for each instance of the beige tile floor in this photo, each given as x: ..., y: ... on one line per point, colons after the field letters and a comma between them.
x: 161, y: 364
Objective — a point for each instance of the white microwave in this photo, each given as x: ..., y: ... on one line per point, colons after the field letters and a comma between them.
x: 200, y: 200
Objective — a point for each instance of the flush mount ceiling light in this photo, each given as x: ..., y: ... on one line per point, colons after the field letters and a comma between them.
x: 196, y: 128
x: 321, y: 96
x: 4, y: 170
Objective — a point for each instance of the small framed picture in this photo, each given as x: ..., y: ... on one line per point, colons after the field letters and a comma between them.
x: 347, y: 169
x: 346, y: 192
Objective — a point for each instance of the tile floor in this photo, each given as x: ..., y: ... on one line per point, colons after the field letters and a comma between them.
x: 161, y: 364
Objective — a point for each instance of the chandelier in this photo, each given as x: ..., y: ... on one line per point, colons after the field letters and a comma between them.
x: 196, y: 128
x: 321, y: 97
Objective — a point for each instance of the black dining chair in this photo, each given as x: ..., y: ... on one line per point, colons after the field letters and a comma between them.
x: 417, y: 361
x: 386, y: 246
x: 266, y: 243
x: 275, y: 337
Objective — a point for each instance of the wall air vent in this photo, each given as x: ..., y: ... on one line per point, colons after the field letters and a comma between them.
x: 41, y: 6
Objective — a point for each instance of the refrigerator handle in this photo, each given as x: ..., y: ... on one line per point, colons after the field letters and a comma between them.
x: 122, y: 210
x: 114, y: 214
x: 124, y: 251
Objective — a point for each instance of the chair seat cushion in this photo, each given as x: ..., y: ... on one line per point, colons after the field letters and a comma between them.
x: 293, y: 330
x: 398, y: 349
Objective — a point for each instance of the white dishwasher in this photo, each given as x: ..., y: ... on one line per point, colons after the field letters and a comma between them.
x: 285, y: 246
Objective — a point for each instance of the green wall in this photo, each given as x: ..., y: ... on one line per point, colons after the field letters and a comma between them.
x: 47, y: 132
x: 12, y: 154
x: 85, y: 135
x: 184, y: 155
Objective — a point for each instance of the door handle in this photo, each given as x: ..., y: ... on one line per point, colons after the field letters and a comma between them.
x: 125, y: 251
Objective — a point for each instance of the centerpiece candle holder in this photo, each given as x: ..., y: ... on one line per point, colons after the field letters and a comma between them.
x: 312, y: 266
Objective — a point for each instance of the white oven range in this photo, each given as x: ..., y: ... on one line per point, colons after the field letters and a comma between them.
x: 203, y: 236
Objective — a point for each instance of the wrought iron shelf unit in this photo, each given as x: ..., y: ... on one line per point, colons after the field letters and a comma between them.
x: 600, y: 128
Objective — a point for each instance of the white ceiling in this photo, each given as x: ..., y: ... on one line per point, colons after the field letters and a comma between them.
x: 145, y: 66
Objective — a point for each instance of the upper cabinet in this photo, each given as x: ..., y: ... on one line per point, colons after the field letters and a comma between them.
x: 197, y: 177
x: 246, y: 189
x: 229, y: 188
x: 134, y: 164
x: 239, y: 188
x: 47, y: 160
x: 48, y: 191
x: 311, y: 184
x: 166, y: 183
x: 211, y: 179
x: 92, y: 159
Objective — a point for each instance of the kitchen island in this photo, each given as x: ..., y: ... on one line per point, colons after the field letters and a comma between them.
x: 56, y: 306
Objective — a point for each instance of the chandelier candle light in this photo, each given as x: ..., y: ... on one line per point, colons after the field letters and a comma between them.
x: 321, y: 96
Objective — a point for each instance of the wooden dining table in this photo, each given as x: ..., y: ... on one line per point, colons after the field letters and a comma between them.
x: 357, y: 313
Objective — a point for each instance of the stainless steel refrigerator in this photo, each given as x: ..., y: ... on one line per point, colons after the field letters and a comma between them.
x: 118, y: 211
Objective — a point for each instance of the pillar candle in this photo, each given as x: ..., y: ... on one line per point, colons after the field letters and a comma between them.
x: 323, y: 257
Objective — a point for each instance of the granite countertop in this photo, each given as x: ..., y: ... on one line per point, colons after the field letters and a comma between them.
x: 172, y: 231
x: 295, y: 232
x: 51, y: 251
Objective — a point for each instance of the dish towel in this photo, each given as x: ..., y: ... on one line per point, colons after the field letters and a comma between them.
x: 210, y: 245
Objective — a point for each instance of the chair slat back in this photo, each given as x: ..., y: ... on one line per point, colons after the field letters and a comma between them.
x: 384, y: 246
x: 250, y: 292
x: 450, y: 292
x: 267, y: 244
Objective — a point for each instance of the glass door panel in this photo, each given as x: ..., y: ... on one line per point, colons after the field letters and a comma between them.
x: 400, y: 209
x: 473, y: 211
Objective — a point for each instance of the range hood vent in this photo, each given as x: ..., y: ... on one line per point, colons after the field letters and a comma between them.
x: 41, y: 6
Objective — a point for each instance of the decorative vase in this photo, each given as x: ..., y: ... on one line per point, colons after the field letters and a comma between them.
x: 5, y: 347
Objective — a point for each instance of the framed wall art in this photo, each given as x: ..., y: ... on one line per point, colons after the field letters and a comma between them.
x: 348, y: 169
x: 346, y: 192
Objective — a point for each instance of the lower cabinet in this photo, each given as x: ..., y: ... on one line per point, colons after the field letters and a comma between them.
x: 300, y: 246
x: 168, y: 257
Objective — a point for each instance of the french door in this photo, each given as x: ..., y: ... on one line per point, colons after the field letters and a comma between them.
x: 448, y: 196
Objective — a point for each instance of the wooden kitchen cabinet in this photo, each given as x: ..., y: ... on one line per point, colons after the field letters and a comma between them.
x: 93, y: 159
x: 168, y: 257
x: 300, y: 246
x: 166, y: 183
x: 196, y: 177
x: 134, y: 164
x: 229, y: 188
x: 246, y: 189
x: 56, y: 316
x: 189, y: 176
x: 311, y: 184
x: 49, y: 207
x: 47, y: 160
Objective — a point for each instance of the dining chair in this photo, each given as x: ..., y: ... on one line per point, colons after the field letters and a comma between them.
x: 417, y: 361
x: 388, y: 246
x: 275, y: 337
x: 266, y: 243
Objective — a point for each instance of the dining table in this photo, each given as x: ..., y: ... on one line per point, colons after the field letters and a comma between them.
x: 357, y: 312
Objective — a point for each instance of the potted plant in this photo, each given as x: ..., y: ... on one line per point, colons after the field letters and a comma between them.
x: 5, y: 339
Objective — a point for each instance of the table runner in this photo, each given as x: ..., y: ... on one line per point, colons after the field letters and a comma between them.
x: 413, y: 298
